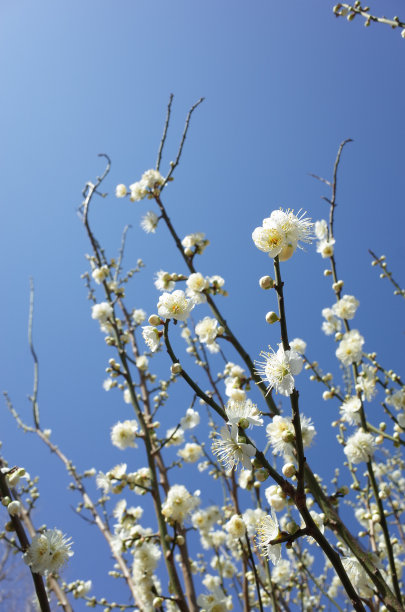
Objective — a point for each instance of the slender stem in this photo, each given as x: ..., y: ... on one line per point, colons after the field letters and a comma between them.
x: 34, y: 397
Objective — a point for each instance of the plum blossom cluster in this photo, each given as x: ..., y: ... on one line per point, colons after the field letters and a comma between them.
x: 149, y: 184
x: 280, y: 234
x: 231, y: 449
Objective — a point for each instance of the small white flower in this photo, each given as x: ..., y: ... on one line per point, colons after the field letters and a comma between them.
x: 137, y: 191
x: 325, y: 248
x: 236, y: 526
x: 191, y: 453
x: 321, y: 229
x: 179, y: 504
x: 174, y: 306
x: 281, y: 232
x: 267, y: 532
x: 350, y: 410
x: 14, y: 508
x: 151, y: 335
x: 275, y: 497
x: 138, y: 316
x: 100, y: 274
x: 279, y: 369
x: 366, y: 382
x: 207, y: 330
x: 230, y: 451
x: 120, y: 191
x: 102, y: 312
x: 175, y: 436
x: 358, y: 576
x: 350, y: 348
x: 196, y: 282
x: 298, y: 345
x: 149, y: 222
x: 48, y: 551
x: 243, y: 413
x: 163, y: 281
x: 190, y: 420
x: 346, y: 307
x: 360, y: 447
x: 332, y: 323
x: 123, y: 434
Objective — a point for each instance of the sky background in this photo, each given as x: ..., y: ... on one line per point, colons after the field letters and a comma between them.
x: 284, y: 84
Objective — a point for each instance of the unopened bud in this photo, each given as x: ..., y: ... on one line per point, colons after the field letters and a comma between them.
x: 327, y: 272
x: 155, y: 320
x: 262, y: 475
x: 272, y: 317
x: 289, y: 470
x: 337, y: 286
x: 176, y: 368
x: 14, y: 508
x: 266, y: 282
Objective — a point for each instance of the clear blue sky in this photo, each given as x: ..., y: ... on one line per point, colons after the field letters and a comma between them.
x: 284, y: 83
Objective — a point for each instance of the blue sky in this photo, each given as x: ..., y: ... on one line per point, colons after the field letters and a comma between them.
x: 284, y: 84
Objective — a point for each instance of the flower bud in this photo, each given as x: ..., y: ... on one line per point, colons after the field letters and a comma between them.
x: 155, y: 320
x: 266, y: 282
x: 327, y: 272
x: 288, y: 470
x: 262, y: 475
x: 272, y: 317
x: 176, y: 368
x: 14, y: 508
x: 291, y: 527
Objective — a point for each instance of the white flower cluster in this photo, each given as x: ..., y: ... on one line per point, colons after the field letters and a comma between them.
x: 190, y: 420
x: 194, y: 243
x: 350, y: 410
x: 149, y: 184
x: 179, y: 504
x: 48, y: 551
x: 267, y: 532
x: 191, y: 452
x: 278, y: 369
x: 280, y: 233
x: 149, y: 222
x: 324, y: 246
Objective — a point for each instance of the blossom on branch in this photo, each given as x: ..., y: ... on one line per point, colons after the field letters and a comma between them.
x: 174, y: 306
x: 279, y: 369
x: 231, y: 451
x: 48, y: 552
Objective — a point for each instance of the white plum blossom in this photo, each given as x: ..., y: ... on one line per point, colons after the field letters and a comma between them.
x: 151, y: 336
x: 179, y: 504
x: 298, y: 345
x: 196, y: 283
x: 207, y: 331
x: 279, y: 369
x: 267, y: 532
x: 48, y: 551
x: 397, y: 399
x: 332, y: 324
x: 120, y: 191
x: 281, y: 574
x: 149, y: 222
x: 102, y: 312
x: 191, y: 453
x: 253, y: 519
x: 360, y: 447
x: 123, y: 434
x: 216, y: 601
x: 230, y: 451
x: 151, y: 179
x: 174, y: 305
x: 190, y: 420
x: 163, y: 281
x: 321, y: 229
x: 275, y: 497
x: 142, y: 363
x: 243, y: 413
x: 346, y: 307
x: 175, y: 436
x: 281, y: 435
x: 236, y: 526
x: 350, y: 410
x: 326, y: 248
x: 196, y: 240
x: 366, y: 382
x: 358, y: 576
x: 350, y: 348
x: 281, y: 232
x: 100, y: 274
x: 138, y: 316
